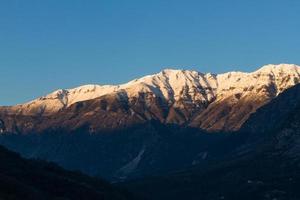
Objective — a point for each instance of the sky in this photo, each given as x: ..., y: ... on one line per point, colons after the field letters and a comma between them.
x: 51, y: 44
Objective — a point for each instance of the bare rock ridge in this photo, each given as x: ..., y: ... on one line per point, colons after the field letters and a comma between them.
x: 208, y: 101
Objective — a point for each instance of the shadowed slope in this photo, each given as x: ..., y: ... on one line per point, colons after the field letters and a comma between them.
x: 32, y: 179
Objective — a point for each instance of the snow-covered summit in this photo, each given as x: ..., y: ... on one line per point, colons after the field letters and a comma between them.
x: 172, y: 85
x: 277, y: 69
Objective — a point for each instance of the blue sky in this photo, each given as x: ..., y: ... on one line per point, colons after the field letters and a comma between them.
x: 51, y: 44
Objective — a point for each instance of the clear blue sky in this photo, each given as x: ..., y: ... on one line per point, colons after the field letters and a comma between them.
x: 51, y: 44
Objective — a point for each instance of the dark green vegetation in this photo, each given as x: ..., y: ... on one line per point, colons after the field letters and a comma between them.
x: 33, y: 179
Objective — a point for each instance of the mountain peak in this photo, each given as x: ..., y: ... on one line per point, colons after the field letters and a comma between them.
x: 279, y: 68
x: 171, y: 70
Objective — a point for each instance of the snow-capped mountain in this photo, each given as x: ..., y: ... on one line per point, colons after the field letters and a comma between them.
x: 212, y: 102
x: 170, y: 85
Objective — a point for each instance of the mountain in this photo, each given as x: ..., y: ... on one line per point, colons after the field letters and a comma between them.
x: 264, y: 166
x: 189, y: 98
x: 158, y: 144
x: 150, y: 126
x: 274, y: 114
x: 138, y: 151
x: 34, y: 180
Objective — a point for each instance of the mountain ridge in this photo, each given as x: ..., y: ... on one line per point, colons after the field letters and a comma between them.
x: 208, y: 101
x: 100, y: 90
x: 144, y: 149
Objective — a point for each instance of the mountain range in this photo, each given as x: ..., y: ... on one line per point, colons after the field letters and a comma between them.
x: 211, y: 102
x: 173, y: 135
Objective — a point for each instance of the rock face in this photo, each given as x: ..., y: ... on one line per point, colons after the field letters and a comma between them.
x: 275, y: 114
x: 264, y: 166
x: 189, y: 98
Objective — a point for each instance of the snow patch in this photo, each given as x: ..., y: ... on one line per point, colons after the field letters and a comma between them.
x: 132, y: 165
